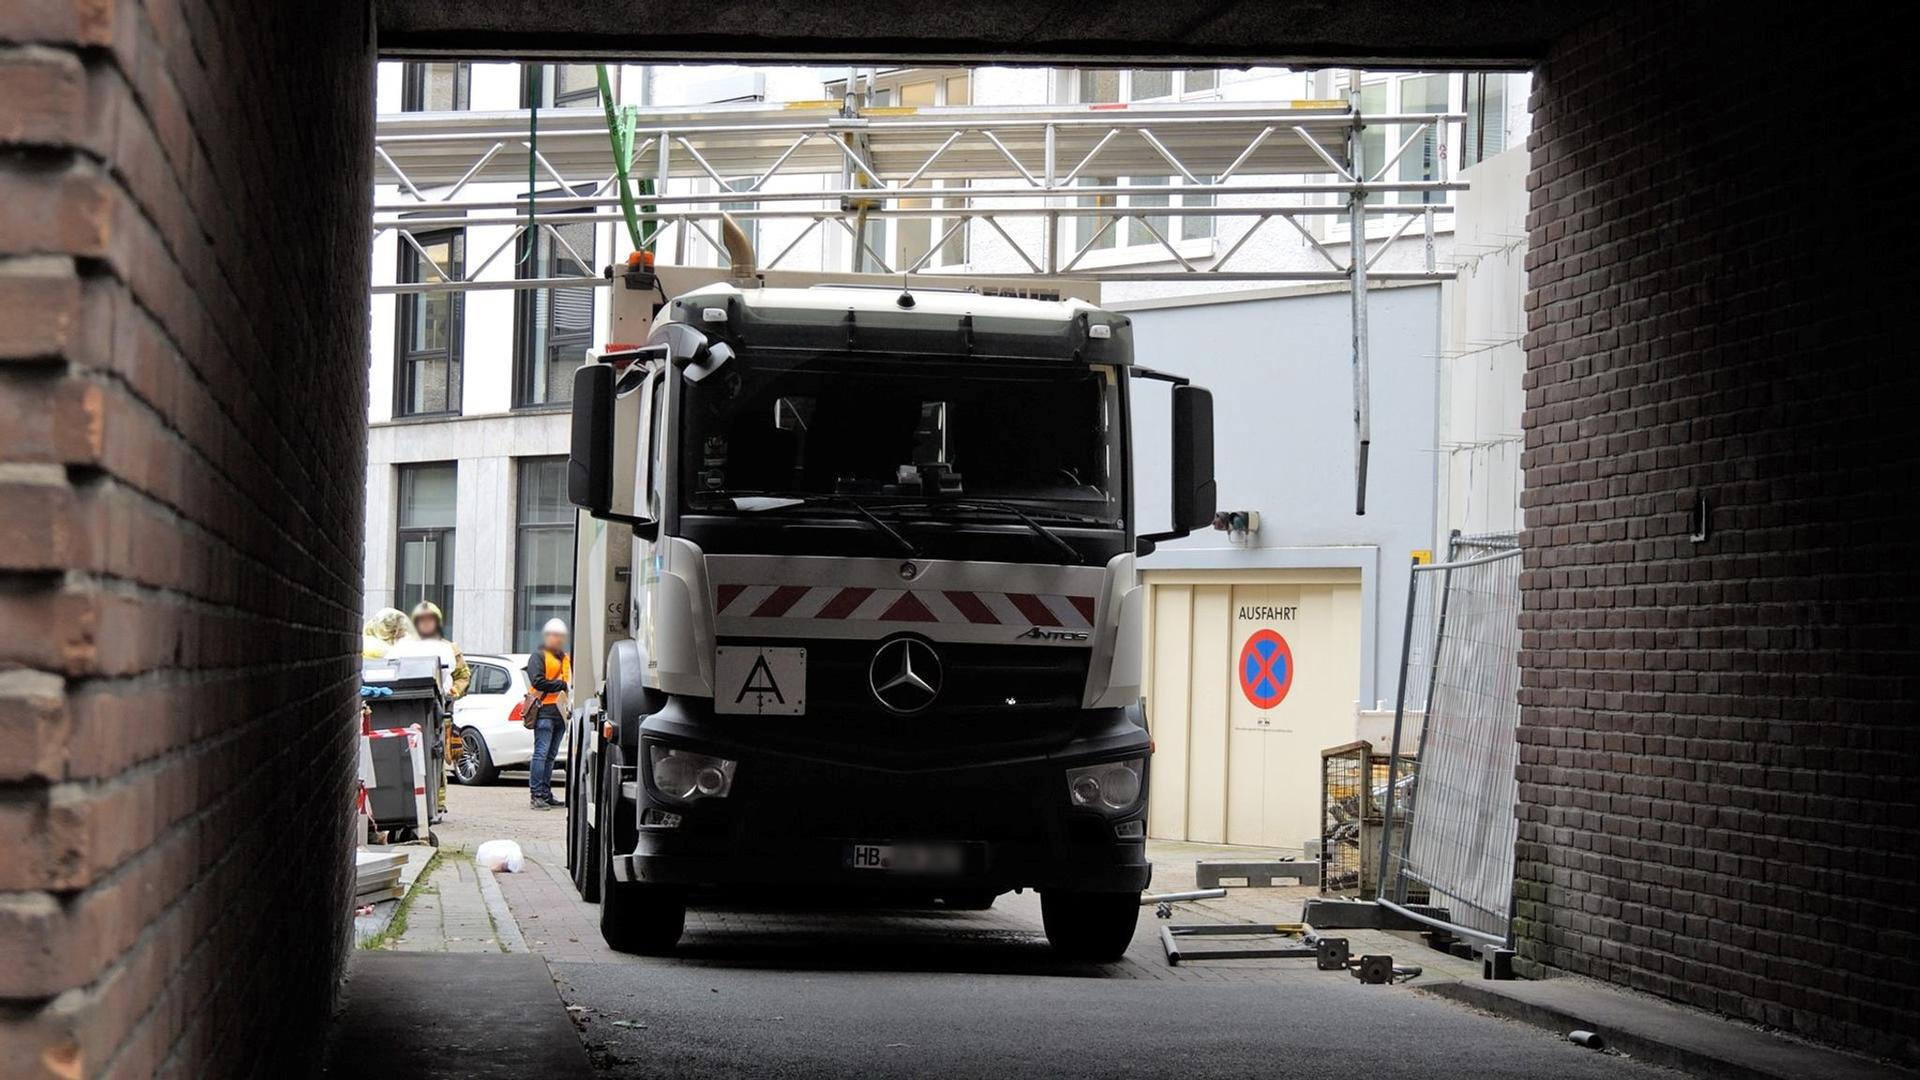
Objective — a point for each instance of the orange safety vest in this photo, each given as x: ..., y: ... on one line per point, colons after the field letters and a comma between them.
x: 561, y: 669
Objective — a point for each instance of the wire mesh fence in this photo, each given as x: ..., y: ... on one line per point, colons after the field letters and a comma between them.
x: 1353, y: 789
x: 1452, y: 826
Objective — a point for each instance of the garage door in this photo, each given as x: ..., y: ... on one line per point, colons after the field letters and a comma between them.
x: 1250, y: 676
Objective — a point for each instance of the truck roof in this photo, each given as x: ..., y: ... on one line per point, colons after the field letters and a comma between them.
x: 905, y: 320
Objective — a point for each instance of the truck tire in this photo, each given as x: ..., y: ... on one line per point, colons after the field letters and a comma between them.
x: 1089, y: 927
x: 583, y: 841
x: 634, y: 917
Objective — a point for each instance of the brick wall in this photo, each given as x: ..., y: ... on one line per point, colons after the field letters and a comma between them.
x: 183, y: 199
x: 1719, y: 748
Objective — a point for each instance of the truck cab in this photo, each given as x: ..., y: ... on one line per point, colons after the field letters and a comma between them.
x: 859, y: 566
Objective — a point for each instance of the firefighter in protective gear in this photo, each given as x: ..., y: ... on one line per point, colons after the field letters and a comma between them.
x: 430, y: 624
x: 384, y: 629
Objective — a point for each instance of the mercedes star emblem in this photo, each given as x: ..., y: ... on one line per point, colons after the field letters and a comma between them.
x: 904, y: 675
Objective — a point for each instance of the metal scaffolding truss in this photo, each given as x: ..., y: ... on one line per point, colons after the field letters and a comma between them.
x: 1264, y: 162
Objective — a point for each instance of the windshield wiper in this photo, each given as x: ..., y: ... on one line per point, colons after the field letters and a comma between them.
x: 907, y: 547
x: 1026, y: 519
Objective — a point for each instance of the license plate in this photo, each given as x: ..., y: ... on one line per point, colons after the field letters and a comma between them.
x: 929, y: 860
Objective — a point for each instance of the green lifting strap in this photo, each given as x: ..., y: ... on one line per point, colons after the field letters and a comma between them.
x: 621, y: 121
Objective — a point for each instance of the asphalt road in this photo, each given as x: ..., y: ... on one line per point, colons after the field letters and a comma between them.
x: 677, y: 1019
x: 762, y: 989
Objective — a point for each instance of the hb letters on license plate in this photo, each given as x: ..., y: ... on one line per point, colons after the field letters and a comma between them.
x: 930, y: 859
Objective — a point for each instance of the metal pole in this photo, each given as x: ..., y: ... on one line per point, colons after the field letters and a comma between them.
x: 1357, y: 274
x: 1399, y: 715
x: 1426, y: 720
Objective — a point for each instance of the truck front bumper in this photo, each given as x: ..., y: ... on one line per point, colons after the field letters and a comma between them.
x: 796, y: 819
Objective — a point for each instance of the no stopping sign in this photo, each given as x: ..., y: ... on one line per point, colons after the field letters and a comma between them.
x: 1265, y: 669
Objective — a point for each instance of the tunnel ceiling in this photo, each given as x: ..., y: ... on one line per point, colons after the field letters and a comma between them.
x: 1297, y: 33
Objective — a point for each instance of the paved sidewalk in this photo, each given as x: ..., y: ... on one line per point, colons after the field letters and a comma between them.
x: 1663, y: 1033
x: 452, y: 911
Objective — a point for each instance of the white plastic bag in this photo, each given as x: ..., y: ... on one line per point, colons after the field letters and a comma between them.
x: 497, y: 855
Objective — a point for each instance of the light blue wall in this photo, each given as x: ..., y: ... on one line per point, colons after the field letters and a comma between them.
x: 1281, y: 374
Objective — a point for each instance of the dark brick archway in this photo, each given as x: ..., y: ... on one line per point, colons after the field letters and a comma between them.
x: 1719, y: 743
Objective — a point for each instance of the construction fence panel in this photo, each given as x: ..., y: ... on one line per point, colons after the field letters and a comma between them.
x: 1452, y: 822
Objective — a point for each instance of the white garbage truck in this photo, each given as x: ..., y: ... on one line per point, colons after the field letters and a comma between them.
x: 856, y: 602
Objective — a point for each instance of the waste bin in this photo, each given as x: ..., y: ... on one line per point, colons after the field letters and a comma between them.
x: 413, y: 697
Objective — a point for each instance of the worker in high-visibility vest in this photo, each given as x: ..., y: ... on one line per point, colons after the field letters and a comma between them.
x: 550, y: 673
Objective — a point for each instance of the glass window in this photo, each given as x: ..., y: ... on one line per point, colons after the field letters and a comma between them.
x: 554, y: 326
x: 1198, y: 80
x: 959, y: 90
x: 1087, y: 226
x: 561, y: 85
x: 1486, y: 130
x: 916, y: 94
x: 1098, y: 85
x: 1421, y: 94
x: 1137, y: 227
x: 435, y: 87
x: 1149, y: 84
x: 1373, y: 138
x: 427, y: 363
x: 543, y: 574
x: 424, y: 544
x: 913, y: 236
x: 490, y: 679
x: 1196, y: 226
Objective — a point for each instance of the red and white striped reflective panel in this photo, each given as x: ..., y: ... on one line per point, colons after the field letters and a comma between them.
x: 856, y: 603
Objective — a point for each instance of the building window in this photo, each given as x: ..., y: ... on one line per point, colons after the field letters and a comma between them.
x: 427, y: 360
x: 1133, y: 231
x: 1094, y: 86
x: 914, y: 236
x: 560, y: 85
x: 424, y: 543
x: 553, y: 327
x: 436, y: 87
x: 1486, y: 129
x: 543, y: 572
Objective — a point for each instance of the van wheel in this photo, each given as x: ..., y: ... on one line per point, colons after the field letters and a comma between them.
x: 634, y: 917
x: 1090, y: 927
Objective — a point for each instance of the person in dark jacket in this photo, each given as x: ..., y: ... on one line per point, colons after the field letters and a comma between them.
x: 550, y: 673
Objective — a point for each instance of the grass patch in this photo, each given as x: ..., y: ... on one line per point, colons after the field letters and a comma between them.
x: 397, y: 926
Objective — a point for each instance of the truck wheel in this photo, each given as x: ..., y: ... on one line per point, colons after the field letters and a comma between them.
x: 474, y: 766
x: 583, y: 841
x: 634, y: 917
x: 1093, y: 927
x: 979, y: 900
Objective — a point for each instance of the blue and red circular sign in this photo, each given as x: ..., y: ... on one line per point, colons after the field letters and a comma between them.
x: 1266, y: 669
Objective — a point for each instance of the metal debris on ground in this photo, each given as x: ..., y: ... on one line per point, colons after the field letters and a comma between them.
x: 1327, y: 953
x: 1163, y: 902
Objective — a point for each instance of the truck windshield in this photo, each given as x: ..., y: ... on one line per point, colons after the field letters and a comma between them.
x: 1043, y: 436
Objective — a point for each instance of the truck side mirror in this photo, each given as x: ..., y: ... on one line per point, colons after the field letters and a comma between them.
x: 1194, y: 492
x: 1191, y: 438
x: 590, y: 457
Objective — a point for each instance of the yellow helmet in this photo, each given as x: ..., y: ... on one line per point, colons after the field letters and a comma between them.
x: 428, y: 607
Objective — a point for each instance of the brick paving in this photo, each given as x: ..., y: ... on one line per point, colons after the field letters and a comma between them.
x: 1006, y: 939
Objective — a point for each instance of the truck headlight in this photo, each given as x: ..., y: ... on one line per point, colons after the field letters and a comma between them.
x: 683, y: 774
x: 1109, y: 787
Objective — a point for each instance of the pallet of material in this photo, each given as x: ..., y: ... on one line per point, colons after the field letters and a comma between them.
x: 376, y: 874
